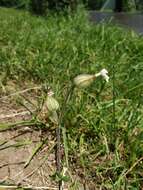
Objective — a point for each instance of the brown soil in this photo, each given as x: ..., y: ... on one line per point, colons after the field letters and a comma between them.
x: 12, y: 159
x: 17, y: 102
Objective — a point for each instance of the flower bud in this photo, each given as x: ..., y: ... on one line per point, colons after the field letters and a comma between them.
x: 51, y: 103
x: 84, y: 80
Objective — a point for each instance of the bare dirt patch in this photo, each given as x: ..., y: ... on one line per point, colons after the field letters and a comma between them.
x: 17, y: 145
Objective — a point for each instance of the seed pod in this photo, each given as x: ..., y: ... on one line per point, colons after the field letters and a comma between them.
x: 52, y: 104
x: 84, y: 80
x: 54, y: 117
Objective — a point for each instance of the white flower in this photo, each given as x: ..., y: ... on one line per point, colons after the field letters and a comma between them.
x: 104, y: 74
x: 50, y: 93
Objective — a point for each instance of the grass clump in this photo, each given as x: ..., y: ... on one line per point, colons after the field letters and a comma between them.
x: 104, y: 121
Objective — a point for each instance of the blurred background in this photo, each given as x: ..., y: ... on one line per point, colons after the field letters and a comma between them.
x: 42, y: 6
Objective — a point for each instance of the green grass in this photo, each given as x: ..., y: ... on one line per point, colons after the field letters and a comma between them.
x: 104, y: 123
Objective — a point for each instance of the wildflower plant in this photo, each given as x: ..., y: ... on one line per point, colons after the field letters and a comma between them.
x: 81, y: 81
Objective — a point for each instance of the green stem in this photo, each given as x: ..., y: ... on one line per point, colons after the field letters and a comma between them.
x: 58, y: 133
x: 114, y: 97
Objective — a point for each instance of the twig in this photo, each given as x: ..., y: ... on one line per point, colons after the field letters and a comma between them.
x: 134, y: 165
x: 58, y: 149
x: 28, y: 100
x: 35, y: 151
x: 13, y: 137
x: 20, y: 92
x: 25, y: 106
x: 129, y: 170
x: 8, y: 164
x: 46, y: 156
x: 15, y: 114
x: 18, y: 144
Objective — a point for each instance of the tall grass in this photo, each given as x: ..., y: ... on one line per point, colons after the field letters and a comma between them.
x: 104, y: 123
